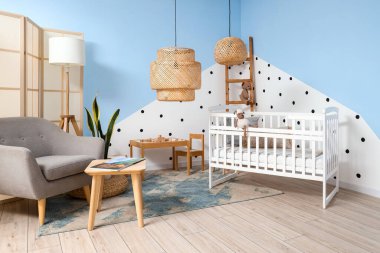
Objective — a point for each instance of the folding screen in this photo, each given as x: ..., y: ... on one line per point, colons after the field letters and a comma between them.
x: 29, y: 85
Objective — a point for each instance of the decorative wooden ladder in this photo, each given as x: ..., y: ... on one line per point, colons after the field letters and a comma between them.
x: 251, y: 80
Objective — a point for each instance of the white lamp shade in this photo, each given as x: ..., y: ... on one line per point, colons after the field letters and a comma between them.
x: 66, y: 51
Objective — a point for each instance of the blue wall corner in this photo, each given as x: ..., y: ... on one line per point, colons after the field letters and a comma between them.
x: 330, y: 45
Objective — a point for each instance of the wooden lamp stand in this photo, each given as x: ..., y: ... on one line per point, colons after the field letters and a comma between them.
x: 64, y: 124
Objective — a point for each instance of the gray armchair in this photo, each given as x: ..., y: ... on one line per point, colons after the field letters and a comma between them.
x: 38, y: 160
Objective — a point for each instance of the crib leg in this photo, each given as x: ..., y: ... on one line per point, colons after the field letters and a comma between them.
x: 328, y: 198
x: 210, y: 171
x: 324, y: 194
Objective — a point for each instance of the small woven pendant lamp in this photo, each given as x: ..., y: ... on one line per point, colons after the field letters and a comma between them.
x: 175, y: 74
x: 230, y: 50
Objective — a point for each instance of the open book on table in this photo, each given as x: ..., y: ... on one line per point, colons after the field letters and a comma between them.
x: 118, y: 163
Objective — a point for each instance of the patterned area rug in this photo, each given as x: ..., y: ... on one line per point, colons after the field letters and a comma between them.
x: 164, y: 191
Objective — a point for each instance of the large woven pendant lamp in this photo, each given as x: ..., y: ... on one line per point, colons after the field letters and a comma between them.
x: 175, y: 74
x: 230, y: 50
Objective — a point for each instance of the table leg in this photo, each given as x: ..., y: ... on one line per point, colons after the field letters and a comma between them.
x: 139, y: 202
x: 142, y: 154
x: 130, y: 150
x: 173, y: 157
x: 99, y: 206
x: 188, y: 161
x: 95, y: 189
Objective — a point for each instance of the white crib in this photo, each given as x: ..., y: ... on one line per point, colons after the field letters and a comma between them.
x: 297, y: 145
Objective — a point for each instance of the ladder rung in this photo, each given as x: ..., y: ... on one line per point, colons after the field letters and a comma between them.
x: 237, y: 80
x: 237, y: 102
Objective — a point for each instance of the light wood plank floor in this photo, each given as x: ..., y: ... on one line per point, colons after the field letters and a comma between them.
x: 291, y: 222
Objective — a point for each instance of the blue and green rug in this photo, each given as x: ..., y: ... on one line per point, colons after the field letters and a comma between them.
x: 164, y: 191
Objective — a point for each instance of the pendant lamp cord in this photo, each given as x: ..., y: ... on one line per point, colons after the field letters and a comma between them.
x: 229, y: 18
x: 175, y: 23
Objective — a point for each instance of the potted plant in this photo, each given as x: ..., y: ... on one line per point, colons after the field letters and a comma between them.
x: 93, y: 123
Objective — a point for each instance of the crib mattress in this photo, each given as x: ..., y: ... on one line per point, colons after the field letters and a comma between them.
x: 219, y: 152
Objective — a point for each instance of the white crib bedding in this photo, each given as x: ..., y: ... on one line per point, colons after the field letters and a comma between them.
x: 280, y: 158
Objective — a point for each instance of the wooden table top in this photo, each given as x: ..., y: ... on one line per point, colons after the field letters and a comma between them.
x: 133, y: 169
x: 171, y: 142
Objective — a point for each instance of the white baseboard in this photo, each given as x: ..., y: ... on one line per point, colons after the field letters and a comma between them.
x: 361, y: 189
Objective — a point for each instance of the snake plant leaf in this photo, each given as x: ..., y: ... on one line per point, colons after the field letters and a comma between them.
x: 90, y: 123
x: 96, y: 113
x: 100, y: 131
x: 108, y: 136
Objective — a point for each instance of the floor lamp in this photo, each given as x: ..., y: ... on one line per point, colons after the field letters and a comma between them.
x: 67, y: 52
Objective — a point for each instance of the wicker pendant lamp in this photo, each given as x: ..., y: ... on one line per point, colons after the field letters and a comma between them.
x: 175, y: 74
x: 230, y: 50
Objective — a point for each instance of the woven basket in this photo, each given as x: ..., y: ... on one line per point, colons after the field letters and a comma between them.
x: 114, y: 186
x: 230, y: 51
x: 175, y: 74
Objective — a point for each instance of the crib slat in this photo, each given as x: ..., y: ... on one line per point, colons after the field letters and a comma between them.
x: 284, y: 153
x: 233, y: 149
x: 271, y: 121
x: 275, y: 153
x: 293, y: 156
x: 241, y: 150
x: 257, y: 153
x: 303, y: 156
x: 249, y: 150
x: 266, y: 152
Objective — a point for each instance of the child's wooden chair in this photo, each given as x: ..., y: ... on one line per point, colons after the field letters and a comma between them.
x: 190, y: 152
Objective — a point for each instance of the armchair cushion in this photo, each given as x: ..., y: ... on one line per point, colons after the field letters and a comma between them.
x: 59, y: 166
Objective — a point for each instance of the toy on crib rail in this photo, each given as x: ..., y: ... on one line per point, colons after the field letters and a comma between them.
x: 241, y: 122
x: 244, y: 95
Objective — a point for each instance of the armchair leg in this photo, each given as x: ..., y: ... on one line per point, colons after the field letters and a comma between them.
x: 87, y: 193
x: 41, y: 211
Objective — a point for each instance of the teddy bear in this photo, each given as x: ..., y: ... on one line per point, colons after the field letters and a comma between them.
x: 244, y: 95
x: 241, y: 122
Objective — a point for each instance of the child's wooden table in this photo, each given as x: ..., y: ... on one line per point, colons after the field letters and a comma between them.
x: 159, y: 142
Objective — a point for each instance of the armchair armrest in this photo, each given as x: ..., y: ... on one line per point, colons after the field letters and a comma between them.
x: 67, y: 144
x: 22, y: 175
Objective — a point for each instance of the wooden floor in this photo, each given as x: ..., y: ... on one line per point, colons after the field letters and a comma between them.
x: 291, y: 222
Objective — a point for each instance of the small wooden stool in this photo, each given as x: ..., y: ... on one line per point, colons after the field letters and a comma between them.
x: 190, y: 152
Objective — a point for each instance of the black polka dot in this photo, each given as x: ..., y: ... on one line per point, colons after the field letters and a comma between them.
x: 110, y: 144
x: 161, y: 115
x: 240, y: 73
x: 313, y: 111
x: 201, y: 106
x: 268, y: 65
x: 209, y: 92
x: 290, y: 78
x: 268, y: 78
x: 264, y: 90
x: 180, y: 101
x: 229, y: 67
x: 181, y: 120
x: 358, y: 175
x: 347, y: 151
x: 203, y: 131
x: 363, y: 139
x: 257, y: 58
x: 259, y: 72
x: 243, y: 63
x: 279, y: 78
x: 271, y: 107
x: 280, y: 94
x: 256, y: 104
x: 334, y: 177
x: 298, y: 146
x: 196, y: 156
x: 129, y: 145
x: 119, y: 130
x: 142, y: 111
x: 284, y: 120
x: 327, y: 100
x: 170, y: 134
x: 306, y: 92
x: 249, y: 67
x: 357, y: 116
x: 141, y: 130
x: 294, y: 102
x: 211, y: 72
x: 298, y: 123
x: 170, y: 158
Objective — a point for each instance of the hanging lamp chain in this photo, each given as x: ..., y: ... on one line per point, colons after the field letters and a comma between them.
x: 175, y: 23
x: 229, y: 18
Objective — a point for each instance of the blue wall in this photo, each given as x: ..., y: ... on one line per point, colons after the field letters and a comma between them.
x: 122, y: 37
x: 332, y: 45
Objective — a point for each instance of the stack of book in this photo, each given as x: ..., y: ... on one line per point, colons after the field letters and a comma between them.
x: 118, y: 163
